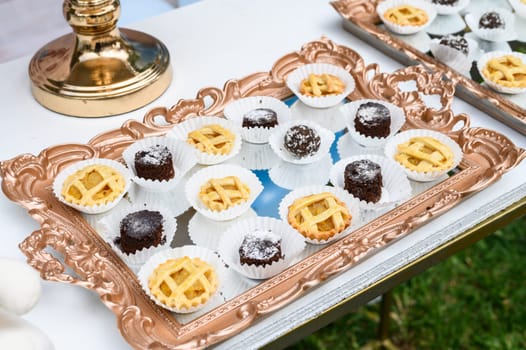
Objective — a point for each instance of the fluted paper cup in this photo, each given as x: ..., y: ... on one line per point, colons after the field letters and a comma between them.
x: 392, y: 145
x: 276, y: 141
x: 292, y: 243
x: 110, y: 231
x: 175, y: 253
x: 291, y: 176
x: 183, y: 158
x: 483, y: 61
x: 236, y: 110
x: 350, y: 202
x: 397, y: 121
x: 295, y: 78
x: 409, y: 29
x: 96, y: 209
x: 201, y: 177
x: 454, y: 58
x: 495, y: 34
x: 395, y: 186
x: 450, y: 9
x: 181, y: 130
x: 519, y: 7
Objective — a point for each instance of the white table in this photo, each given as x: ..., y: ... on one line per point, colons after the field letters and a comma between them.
x: 211, y: 42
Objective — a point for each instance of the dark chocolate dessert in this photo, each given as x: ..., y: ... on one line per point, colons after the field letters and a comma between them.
x: 140, y: 229
x: 446, y: 2
x: 260, y: 248
x: 363, y: 179
x: 373, y: 119
x: 456, y: 42
x: 302, y: 141
x: 154, y: 163
x: 491, y: 20
x: 260, y: 117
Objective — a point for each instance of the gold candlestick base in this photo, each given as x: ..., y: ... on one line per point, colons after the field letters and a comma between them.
x: 99, y: 70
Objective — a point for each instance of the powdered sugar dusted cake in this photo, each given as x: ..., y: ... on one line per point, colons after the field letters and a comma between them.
x: 260, y: 117
x: 260, y: 248
x: 363, y: 179
x: 140, y: 229
x: 154, y: 163
x: 373, y: 119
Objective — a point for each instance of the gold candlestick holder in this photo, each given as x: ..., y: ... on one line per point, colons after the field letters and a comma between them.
x: 99, y: 70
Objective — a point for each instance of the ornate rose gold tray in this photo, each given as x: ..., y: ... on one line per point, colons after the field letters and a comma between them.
x: 360, y: 18
x: 88, y: 261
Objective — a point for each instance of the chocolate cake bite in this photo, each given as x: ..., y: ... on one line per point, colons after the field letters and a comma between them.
x: 302, y: 141
x: 492, y: 20
x: 363, y: 179
x: 260, y: 248
x: 260, y: 117
x: 373, y: 119
x: 140, y: 229
x: 456, y: 42
x: 154, y: 163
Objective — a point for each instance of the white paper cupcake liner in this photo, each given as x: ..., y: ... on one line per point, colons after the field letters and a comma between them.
x: 183, y: 158
x: 201, y: 177
x: 484, y: 59
x: 175, y: 200
x: 395, y: 185
x: 292, y: 243
x: 330, y: 118
x: 454, y: 58
x: 446, y: 24
x: 207, y: 233
x: 519, y: 7
x: 291, y: 176
x: 192, y: 252
x: 347, y: 147
x: 110, y: 231
x: 255, y: 156
x: 237, y: 109
x: 351, y: 203
x: 406, y: 30
x: 295, y: 78
x: 180, y: 131
x: 391, y: 150
x: 397, y: 121
x: 276, y: 141
x: 449, y: 10
x: 497, y: 34
x: 96, y: 209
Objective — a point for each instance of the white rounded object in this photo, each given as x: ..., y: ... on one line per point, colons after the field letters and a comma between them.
x: 19, y: 287
x: 17, y: 333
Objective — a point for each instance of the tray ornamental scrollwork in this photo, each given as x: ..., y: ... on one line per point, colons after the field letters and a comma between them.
x: 86, y: 260
x: 360, y: 18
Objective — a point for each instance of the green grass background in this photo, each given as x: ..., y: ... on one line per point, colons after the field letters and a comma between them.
x: 476, y: 299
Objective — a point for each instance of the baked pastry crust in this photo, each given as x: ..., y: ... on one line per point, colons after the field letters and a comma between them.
x: 319, y: 216
x: 212, y: 139
x: 507, y: 71
x: 424, y: 154
x: 183, y: 283
x: 93, y: 185
x: 406, y: 15
x: 222, y: 193
x: 321, y: 85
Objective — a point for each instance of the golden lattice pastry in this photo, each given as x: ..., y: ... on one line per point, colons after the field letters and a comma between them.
x: 424, y: 154
x: 406, y: 15
x: 212, y: 139
x: 321, y: 85
x: 183, y: 283
x: 222, y: 193
x: 508, y: 71
x: 93, y: 185
x: 319, y: 216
